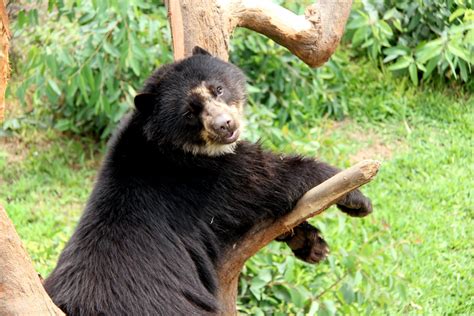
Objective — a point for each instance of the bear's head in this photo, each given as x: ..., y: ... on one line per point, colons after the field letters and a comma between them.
x: 195, y: 104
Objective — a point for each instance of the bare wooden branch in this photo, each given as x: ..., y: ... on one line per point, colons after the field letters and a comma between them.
x: 312, y: 203
x: 21, y: 291
x: 313, y: 37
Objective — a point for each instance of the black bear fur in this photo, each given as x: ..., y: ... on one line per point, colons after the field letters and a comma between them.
x: 163, y: 209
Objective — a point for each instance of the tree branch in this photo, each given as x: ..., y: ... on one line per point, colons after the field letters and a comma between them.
x: 312, y: 203
x: 313, y: 37
x: 21, y: 291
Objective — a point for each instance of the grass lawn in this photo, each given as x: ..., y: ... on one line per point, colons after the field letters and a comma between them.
x: 415, y: 254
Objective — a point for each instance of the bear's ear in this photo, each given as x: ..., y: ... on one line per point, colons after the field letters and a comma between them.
x: 145, y: 102
x: 200, y: 51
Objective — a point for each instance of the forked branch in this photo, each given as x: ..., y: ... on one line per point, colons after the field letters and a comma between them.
x: 312, y: 37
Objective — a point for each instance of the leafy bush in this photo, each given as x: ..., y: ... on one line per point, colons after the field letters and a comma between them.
x: 419, y: 38
x: 85, y: 59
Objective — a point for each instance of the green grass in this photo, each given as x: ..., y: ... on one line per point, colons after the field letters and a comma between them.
x: 414, y: 255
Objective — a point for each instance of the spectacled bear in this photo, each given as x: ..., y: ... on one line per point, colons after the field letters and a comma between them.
x: 175, y: 190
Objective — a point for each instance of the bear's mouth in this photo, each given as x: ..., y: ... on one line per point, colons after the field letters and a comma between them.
x: 230, y: 137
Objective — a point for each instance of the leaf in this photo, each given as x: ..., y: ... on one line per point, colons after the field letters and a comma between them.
x: 458, y: 51
x: 398, y: 25
x: 259, y: 282
x: 357, y: 22
x: 359, y: 35
x: 313, y: 309
x: 448, y: 58
x: 62, y: 125
x: 134, y: 65
x: 402, y: 291
x: 413, y: 73
x: 394, y: 52
x: 430, y: 67
x: 357, y: 278
x: 427, y: 52
x: 54, y: 86
x: 456, y: 14
x: 297, y: 297
x: 397, y: 50
x: 290, y: 269
x: 110, y: 49
x: 390, y: 14
x: 329, y: 308
x: 463, y: 69
x: 347, y: 293
x: 402, y: 63
x: 385, y: 28
x: 83, y: 87
x: 281, y: 292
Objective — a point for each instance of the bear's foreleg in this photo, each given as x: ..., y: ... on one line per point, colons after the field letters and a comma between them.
x: 305, y: 240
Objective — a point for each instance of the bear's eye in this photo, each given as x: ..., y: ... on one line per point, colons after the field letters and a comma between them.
x: 219, y: 91
x: 188, y: 115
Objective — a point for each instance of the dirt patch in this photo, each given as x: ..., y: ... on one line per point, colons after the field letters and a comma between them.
x: 378, y: 151
x: 372, y: 144
x: 15, y: 149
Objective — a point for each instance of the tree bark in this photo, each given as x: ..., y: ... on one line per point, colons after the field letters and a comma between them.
x: 4, y: 65
x: 198, y: 23
x: 312, y: 37
x: 21, y: 291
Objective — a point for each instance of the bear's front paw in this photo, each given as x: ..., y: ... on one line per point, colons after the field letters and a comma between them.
x: 307, y: 243
x: 355, y: 204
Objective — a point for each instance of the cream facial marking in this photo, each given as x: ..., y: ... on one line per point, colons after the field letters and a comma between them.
x: 221, y: 124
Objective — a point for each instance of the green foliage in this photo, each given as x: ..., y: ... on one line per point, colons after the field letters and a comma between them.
x: 85, y: 60
x: 419, y: 38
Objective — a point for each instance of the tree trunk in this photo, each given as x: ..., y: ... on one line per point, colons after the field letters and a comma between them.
x: 4, y: 66
x: 21, y: 291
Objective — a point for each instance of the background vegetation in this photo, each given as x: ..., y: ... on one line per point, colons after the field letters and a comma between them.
x: 397, y: 90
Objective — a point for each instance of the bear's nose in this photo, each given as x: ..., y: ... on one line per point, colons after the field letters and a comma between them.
x: 223, y: 125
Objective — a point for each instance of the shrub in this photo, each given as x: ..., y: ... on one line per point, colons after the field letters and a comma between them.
x: 421, y: 38
x: 85, y: 59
